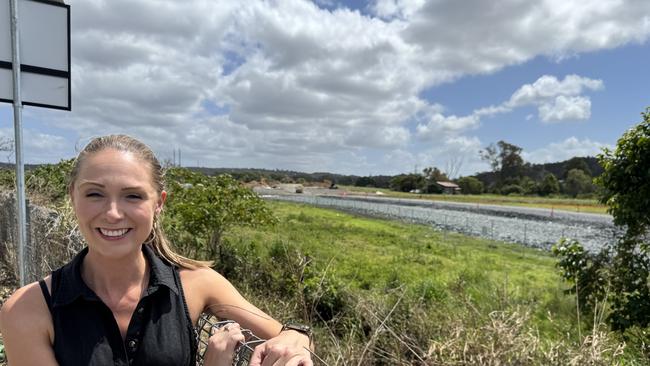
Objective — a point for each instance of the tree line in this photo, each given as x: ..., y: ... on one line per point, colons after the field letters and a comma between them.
x: 510, y: 175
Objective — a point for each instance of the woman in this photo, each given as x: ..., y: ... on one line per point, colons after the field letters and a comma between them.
x: 127, y: 298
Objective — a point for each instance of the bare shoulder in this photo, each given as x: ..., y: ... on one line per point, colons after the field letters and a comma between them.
x: 26, y: 326
x: 198, y: 275
x: 204, y: 283
x: 208, y: 291
x: 203, y: 287
x: 26, y: 303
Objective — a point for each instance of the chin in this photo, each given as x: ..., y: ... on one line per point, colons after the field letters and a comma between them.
x: 115, y: 250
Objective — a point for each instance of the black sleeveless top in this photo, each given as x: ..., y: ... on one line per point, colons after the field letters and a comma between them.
x: 160, y: 331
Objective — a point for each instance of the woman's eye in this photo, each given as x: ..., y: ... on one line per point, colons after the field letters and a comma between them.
x: 134, y: 197
x: 93, y: 194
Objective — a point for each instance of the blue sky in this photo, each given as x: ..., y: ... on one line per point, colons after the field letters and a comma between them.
x: 353, y: 87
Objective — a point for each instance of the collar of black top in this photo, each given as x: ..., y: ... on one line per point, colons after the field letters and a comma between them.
x: 73, y: 286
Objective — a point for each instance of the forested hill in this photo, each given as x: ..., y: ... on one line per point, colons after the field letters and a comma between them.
x: 534, y: 171
x: 537, y: 172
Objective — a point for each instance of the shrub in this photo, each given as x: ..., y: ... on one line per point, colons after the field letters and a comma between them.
x: 621, y: 271
x: 512, y: 189
x: 587, y: 272
x: 7, y: 179
x: 201, y: 208
x: 470, y: 185
x: 549, y: 185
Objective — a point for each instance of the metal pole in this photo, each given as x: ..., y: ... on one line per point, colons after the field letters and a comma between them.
x: 18, y: 143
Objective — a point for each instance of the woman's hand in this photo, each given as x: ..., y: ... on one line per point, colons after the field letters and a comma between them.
x: 222, y: 344
x: 289, y: 348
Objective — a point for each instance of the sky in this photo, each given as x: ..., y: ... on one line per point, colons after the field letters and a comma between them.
x: 351, y: 87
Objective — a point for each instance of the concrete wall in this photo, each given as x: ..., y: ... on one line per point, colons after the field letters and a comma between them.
x: 51, y: 240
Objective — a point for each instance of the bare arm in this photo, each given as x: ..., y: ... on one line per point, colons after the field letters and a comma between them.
x: 208, y: 291
x: 26, y: 327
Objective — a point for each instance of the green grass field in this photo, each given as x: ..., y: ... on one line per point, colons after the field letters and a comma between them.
x: 458, y: 300
x: 370, y: 255
x: 557, y: 203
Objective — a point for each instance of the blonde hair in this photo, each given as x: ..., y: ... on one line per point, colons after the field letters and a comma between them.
x: 157, y: 239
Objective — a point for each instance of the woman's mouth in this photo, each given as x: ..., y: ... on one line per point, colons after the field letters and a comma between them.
x: 113, y: 234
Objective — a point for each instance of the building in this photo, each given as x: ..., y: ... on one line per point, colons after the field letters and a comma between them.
x: 448, y: 187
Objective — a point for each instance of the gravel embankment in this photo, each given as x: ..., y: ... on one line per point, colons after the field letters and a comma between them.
x: 538, y: 228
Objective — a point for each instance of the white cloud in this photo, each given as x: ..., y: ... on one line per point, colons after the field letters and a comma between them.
x: 557, y: 100
x: 396, y: 8
x: 477, y: 36
x: 398, y: 161
x: 455, y: 156
x: 563, y: 150
x: 41, y: 147
x: 566, y: 108
x: 299, y: 84
x: 549, y: 87
x: 441, y: 126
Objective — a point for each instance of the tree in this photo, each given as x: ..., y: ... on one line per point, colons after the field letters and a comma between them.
x: 365, y: 182
x: 549, y: 185
x: 505, y: 159
x: 201, y: 208
x: 513, y: 189
x: 529, y: 186
x: 626, y: 192
x: 626, y: 179
x: 431, y: 176
x: 434, y: 174
x: 406, y: 182
x: 470, y: 185
x: 577, y: 163
x: 577, y: 182
x: 453, y: 165
x: 7, y: 145
x: 620, y: 273
x: 491, y: 156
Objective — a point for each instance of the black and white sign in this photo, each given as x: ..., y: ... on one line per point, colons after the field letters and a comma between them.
x: 44, y: 30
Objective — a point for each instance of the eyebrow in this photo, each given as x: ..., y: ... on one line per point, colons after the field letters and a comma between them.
x: 103, y: 186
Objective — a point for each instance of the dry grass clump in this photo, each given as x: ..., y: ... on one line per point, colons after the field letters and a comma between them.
x: 401, y: 334
x: 503, y: 340
x: 52, y: 238
x: 508, y: 339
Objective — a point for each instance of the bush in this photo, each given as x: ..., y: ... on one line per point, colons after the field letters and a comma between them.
x: 470, y: 185
x: 549, y: 185
x: 7, y: 179
x: 200, y: 209
x: 620, y: 273
x: 586, y: 272
x: 406, y: 182
x: 365, y: 182
x: 512, y: 189
x: 577, y: 182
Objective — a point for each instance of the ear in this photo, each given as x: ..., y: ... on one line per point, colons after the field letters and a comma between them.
x: 161, y: 201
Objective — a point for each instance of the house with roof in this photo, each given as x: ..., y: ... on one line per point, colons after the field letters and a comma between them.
x: 448, y: 187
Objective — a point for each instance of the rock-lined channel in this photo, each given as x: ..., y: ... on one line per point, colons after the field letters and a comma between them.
x: 538, y: 228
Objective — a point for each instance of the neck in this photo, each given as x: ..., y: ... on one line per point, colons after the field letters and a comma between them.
x: 114, y: 276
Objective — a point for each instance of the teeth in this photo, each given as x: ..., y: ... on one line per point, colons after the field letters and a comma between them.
x: 118, y: 232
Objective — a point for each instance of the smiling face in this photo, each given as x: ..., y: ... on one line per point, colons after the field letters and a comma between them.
x: 115, y: 202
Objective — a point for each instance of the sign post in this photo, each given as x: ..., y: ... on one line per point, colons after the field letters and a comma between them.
x: 18, y: 143
x: 34, y: 70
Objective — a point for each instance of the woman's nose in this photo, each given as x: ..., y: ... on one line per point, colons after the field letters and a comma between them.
x: 113, y: 211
